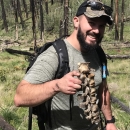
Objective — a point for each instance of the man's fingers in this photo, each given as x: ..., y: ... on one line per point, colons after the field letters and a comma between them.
x: 75, y: 73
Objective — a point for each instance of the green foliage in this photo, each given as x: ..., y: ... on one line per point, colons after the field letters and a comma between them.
x: 2, y: 76
x: 12, y: 67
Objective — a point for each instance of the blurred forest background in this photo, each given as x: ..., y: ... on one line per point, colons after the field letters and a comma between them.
x: 28, y: 24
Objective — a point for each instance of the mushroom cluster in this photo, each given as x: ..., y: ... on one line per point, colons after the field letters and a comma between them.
x: 89, y: 100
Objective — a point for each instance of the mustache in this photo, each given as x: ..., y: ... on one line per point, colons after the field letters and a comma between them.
x: 93, y: 34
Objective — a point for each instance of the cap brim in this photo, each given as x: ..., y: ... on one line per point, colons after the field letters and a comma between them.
x: 95, y: 13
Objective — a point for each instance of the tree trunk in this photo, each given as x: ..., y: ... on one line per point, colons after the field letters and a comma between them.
x: 20, y: 13
x: 116, y: 21
x: 122, y: 22
x: 25, y: 8
x: 41, y: 20
x: 30, y: 5
x: 61, y: 2
x: 66, y: 16
x: 61, y: 28
x: 4, y: 125
x: 46, y: 6
x: 52, y: 2
x: 16, y: 19
x: 111, y: 26
x: 4, y: 16
x: 33, y: 22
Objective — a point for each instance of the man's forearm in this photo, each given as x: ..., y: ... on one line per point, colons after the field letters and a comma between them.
x: 104, y: 100
x: 30, y: 94
x: 106, y: 106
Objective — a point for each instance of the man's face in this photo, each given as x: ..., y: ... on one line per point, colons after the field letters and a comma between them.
x: 90, y: 32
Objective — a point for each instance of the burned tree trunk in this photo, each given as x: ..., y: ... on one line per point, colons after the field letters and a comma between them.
x: 33, y: 22
x: 25, y: 8
x: 61, y: 28
x: 52, y: 2
x: 122, y: 22
x: 4, y: 125
x: 41, y: 20
x: 16, y: 19
x: 66, y: 16
x: 20, y: 13
x: 30, y: 5
x: 46, y: 6
x: 4, y: 16
x: 116, y: 21
x: 111, y: 26
x: 61, y: 2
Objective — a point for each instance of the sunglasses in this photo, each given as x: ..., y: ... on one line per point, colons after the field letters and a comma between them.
x: 100, y: 6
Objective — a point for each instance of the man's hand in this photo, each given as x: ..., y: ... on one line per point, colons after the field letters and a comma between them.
x: 111, y: 126
x: 69, y: 84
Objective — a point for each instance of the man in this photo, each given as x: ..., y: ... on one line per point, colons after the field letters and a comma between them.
x: 38, y: 84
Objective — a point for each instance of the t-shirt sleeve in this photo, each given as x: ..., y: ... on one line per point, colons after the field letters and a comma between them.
x: 44, y: 68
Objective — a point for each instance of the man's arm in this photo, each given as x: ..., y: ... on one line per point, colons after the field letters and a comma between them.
x: 104, y: 100
x: 28, y: 94
x: 105, y: 105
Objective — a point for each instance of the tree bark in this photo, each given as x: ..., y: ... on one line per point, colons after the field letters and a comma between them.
x: 20, y: 13
x: 52, y: 2
x: 25, y: 8
x: 116, y: 21
x: 122, y: 22
x: 16, y: 19
x: 4, y: 16
x: 46, y: 6
x: 41, y: 20
x: 61, y: 28
x: 119, y: 56
x: 66, y: 16
x: 111, y: 26
x: 33, y: 22
x: 4, y: 125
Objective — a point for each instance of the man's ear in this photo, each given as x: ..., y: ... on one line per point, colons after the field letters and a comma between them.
x: 76, y: 22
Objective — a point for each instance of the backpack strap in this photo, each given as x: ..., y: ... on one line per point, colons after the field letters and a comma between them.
x: 103, y: 60
x: 63, y: 67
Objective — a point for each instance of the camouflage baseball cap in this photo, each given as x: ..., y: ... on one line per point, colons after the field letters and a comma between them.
x: 95, y: 8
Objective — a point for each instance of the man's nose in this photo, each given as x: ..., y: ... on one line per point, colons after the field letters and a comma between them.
x: 96, y: 30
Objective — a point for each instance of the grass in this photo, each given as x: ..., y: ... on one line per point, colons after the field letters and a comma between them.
x: 12, y: 70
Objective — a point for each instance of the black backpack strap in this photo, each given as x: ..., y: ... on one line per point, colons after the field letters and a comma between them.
x: 103, y: 60
x: 61, y: 49
x: 63, y: 67
x: 30, y: 119
x: 38, y: 52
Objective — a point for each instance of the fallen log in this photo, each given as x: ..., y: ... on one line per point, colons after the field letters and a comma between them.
x: 118, y: 47
x: 118, y: 73
x: 12, y: 51
x: 119, y: 56
x: 4, y: 125
x: 121, y: 105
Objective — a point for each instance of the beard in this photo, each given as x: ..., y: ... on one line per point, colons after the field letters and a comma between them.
x: 84, y: 45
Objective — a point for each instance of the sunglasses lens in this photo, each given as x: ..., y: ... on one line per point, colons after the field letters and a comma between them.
x: 96, y: 6
x: 100, y: 6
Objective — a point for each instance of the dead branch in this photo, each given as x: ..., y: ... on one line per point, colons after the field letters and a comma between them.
x: 4, y: 125
x: 119, y: 56
x: 118, y: 73
x: 121, y: 105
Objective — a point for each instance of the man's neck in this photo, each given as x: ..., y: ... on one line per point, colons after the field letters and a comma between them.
x: 72, y: 39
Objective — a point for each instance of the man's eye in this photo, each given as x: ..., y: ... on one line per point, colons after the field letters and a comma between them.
x: 91, y: 23
x: 102, y: 26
